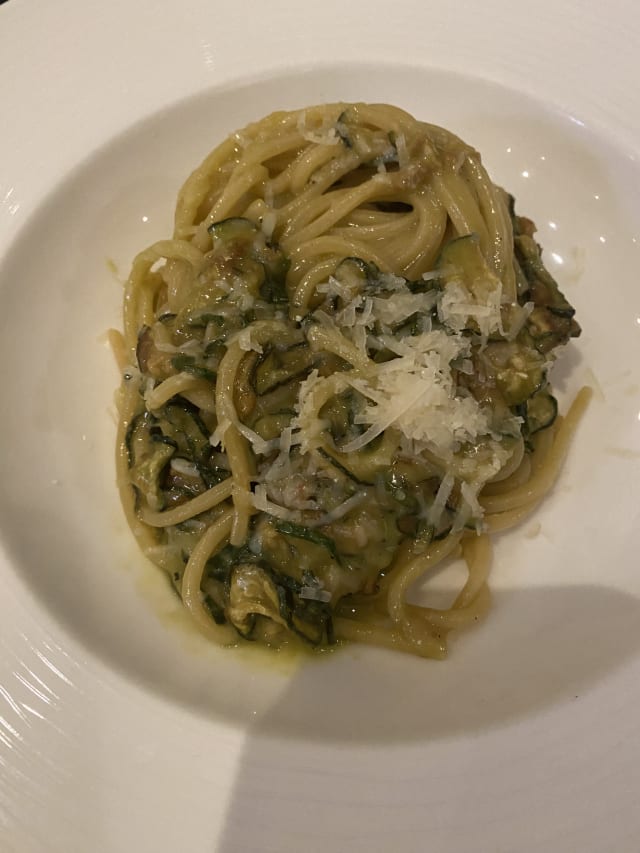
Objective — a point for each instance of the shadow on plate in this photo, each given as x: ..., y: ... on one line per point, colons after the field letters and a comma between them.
x: 561, y: 642
x: 538, y: 647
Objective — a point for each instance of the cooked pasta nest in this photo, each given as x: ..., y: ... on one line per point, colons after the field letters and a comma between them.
x: 335, y: 377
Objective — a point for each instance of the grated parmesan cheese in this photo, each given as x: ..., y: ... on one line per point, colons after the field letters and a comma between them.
x: 315, y: 593
x: 401, y: 148
x: 519, y: 316
x: 262, y: 503
x: 437, y: 507
x: 470, y: 497
x: 245, y: 341
x: 184, y: 467
x: 399, y: 307
x: 321, y: 135
x: 457, y: 305
x: 414, y: 393
x: 268, y: 223
x: 341, y: 510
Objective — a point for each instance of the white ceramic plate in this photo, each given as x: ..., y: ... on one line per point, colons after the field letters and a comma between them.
x: 120, y: 729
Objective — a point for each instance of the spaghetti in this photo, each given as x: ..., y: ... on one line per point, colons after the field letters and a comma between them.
x: 335, y: 378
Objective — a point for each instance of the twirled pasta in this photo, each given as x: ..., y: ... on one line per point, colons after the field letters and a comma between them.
x: 334, y: 378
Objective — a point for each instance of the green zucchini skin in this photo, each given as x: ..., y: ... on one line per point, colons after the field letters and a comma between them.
x: 539, y: 412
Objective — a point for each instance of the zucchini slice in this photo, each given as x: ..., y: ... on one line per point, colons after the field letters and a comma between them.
x: 461, y: 259
x: 519, y: 370
x: 354, y: 274
x: 149, y: 453
x: 188, y: 364
x: 551, y: 322
x: 243, y: 244
x: 151, y: 361
x: 312, y: 621
x: 541, y: 410
x: 181, y: 424
x: 279, y: 367
x: 180, y: 421
x: 271, y: 426
x: 234, y: 229
x: 253, y: 592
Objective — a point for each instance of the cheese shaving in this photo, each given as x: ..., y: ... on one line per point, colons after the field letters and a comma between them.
x: 458, y: 305
x: 262, y: 503
x: 246, y: 342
